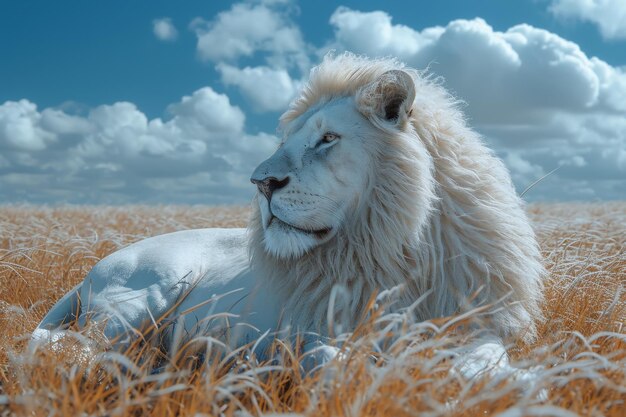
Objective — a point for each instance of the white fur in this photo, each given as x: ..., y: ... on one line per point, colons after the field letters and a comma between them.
x: 418, y: 201
x: 408, y: 195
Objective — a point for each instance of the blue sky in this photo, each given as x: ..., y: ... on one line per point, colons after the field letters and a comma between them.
x: 175, y: 102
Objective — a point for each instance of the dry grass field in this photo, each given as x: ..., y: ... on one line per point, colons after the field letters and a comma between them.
x: 580, y: 356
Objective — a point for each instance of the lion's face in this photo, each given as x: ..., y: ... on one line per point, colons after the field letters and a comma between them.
x: 314, y: 179
x: 326, y: 165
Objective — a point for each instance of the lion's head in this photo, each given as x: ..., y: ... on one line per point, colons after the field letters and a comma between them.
x: 334, y: 156
x: 377, y: 183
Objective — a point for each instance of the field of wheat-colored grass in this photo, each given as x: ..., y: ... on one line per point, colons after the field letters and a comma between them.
x: 579, y: 359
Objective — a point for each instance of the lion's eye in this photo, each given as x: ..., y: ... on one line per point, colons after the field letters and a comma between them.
x: 329, y: 137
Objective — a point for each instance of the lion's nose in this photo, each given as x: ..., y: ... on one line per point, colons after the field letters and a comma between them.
x: 268, y: 185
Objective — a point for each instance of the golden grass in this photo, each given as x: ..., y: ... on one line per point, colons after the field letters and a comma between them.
x: 580, y: 355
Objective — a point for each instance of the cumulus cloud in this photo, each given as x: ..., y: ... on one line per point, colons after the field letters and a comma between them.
x: 248, y: 28
x: 164, y: 29
x: 256, y: 29
x: 201, y: 152
x: 20, y: 127
x: 537, y: 98
x: 373, y: 34
x: 265, y: 88
x: 540, y: 101
x: 208, y: 111
x: 525, y: 68
x: 608, y: 15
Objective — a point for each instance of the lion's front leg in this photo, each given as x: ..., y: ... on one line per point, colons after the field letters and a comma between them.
x: 488, y: 358
x: 484, y: 357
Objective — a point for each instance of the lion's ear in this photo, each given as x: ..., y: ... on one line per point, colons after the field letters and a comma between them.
x: 389, y: 98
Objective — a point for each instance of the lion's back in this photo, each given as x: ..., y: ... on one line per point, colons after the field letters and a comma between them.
x: 147, y: 277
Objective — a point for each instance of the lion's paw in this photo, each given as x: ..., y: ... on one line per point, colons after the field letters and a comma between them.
x: 316, y: 354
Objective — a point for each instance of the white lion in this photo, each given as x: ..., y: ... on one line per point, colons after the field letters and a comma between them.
x: 378, y: 183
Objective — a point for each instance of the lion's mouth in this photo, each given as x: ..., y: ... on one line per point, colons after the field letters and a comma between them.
x: 319, y: 233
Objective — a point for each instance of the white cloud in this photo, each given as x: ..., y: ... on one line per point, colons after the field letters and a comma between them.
x: 373, y: 34
x: 608, y: 15
x: 524, y: 68
x: 164, y: 29
x: 20, y: 127
x: 208, y: 110
x: 246, y: 29
x: 265, y: 88
x: 118, y: 154
x: 522, y: 169
x: 250, y: 30
x: 61, y: 123
x: 539, y: 100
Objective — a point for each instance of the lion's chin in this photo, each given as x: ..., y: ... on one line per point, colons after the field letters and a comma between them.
x: 285, y: 241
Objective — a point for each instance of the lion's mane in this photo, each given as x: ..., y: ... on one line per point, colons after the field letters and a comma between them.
x: 446, y: 222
